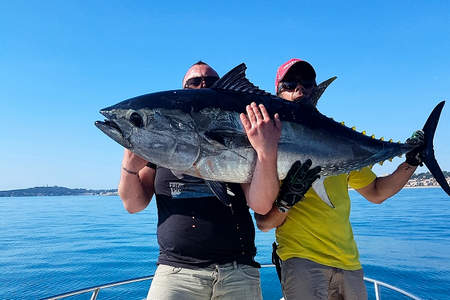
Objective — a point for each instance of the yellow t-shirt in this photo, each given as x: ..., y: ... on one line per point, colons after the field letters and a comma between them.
x: 315, y: 231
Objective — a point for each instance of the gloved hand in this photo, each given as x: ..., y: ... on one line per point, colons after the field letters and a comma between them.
x: 415, y: 156
x: 297, y: 182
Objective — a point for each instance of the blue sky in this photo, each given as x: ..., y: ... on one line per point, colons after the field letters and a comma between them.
x: 61, y: 61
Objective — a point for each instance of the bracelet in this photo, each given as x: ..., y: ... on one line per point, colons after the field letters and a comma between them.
x: 130, y: 172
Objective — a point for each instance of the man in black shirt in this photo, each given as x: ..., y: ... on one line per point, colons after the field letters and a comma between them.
x: 207, y: 249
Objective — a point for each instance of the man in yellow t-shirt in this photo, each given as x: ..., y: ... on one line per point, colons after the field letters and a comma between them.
x: 319, y: 256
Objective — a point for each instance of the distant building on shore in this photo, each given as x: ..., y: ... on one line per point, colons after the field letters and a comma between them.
x: 425, y: 180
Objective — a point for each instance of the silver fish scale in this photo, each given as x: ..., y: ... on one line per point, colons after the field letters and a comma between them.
x: 226, y: 155
x: 212, y: 144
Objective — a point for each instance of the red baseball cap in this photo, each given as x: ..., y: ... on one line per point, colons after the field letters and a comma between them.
x: 301, y: 66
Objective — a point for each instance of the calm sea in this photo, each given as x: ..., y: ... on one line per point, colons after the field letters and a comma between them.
x: 51, y: 245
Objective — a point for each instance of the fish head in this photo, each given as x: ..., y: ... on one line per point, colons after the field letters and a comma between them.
x: 154, y: 129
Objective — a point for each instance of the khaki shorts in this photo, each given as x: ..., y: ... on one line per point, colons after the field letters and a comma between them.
x: 305, y: 279
x: 230, y: 281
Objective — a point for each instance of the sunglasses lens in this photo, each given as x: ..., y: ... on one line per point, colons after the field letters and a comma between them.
x: 291, y: 85
x: 195, y: 81
x: 288, y: 85
x: 210, y: 80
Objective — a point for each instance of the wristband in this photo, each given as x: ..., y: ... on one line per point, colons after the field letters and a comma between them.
x: 130, y: 172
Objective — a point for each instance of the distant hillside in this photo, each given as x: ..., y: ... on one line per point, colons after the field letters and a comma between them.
x: 54, y: 191
x: 417, y: 180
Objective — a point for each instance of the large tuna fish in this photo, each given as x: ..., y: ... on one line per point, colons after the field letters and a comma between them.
x: 198, y: 132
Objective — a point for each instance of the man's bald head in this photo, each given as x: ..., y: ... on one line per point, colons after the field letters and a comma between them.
x: 199, y: 69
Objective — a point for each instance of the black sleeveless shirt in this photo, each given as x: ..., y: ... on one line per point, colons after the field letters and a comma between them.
x: 195, y: 229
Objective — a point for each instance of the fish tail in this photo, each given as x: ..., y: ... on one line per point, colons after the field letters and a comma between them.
x: 428, y: 153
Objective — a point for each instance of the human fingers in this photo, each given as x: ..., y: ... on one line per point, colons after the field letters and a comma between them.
x: 257, y: 112
x: 245, y: 122
x: 421, y: 135
x: 314, y: 178
x: 314, y: 171
x: 127, y: 153
x: 277, y: 121
x: 251, y: 114
x: 264, y: 113
x: 294, y: 168
x: 417, y: 138
x: 293, y: 171
x: 306, y: 165
x: 133, y: 161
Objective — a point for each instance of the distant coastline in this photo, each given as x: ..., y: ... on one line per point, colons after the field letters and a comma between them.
x: 422, y: 180
x: 425, y: 180
x: 55, y: 191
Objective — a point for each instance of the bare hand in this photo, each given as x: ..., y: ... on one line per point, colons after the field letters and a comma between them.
x: 262, y: 132
x: 133, y: 162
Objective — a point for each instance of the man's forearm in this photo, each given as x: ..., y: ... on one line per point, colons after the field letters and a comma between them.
x: 132, y: 192
x: 265, y: 185
x: 263, y: 134
x: 387, y: 186
x: 392, y: 184
x: 272, y: 219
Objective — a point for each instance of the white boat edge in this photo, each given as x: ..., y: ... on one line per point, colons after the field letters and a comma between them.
x: 96, y: 289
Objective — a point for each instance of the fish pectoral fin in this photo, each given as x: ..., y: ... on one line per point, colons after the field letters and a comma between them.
x: 320, y: 190
x: 220, y: 190
x: 223, y: 136
x: 226, y: 139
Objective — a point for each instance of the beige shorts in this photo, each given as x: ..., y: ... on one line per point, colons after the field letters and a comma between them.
x: 230, y: 281
x: 304, y: 279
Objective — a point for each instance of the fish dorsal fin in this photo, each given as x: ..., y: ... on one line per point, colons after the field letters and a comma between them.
x: 318, y: 91
x: 235, y: 80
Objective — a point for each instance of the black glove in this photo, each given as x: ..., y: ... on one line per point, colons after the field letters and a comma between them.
x: 415, y: 156
x: 297, y: 182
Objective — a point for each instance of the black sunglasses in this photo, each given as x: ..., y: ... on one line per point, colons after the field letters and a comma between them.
x: 196, y: 81
x: 291, y: 85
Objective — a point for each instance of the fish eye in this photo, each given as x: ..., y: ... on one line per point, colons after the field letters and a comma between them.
x: 136, y: 120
